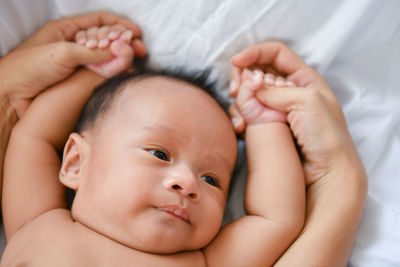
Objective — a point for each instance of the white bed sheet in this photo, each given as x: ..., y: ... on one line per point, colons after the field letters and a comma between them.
x: 354, y: 44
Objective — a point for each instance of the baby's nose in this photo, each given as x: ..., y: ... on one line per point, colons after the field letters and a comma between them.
x: 185, y: 183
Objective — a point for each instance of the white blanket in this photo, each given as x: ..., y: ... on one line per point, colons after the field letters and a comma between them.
x: 355, y: 44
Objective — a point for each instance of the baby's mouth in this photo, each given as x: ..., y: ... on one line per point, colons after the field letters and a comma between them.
x: 176, y: 211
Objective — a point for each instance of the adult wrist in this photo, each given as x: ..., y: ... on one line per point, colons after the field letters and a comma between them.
x: 8, y: 120
x: 5, y: 91
x: 7, y: 111
x: 345, y: 184
x: 8, y: 114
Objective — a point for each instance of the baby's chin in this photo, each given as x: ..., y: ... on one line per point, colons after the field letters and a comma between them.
x: 168, y: 248
x: 156, y: 242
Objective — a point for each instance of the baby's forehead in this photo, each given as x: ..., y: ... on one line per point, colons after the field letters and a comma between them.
x: 149, y: 84
x: 124, y: 92
x: 161, y: 90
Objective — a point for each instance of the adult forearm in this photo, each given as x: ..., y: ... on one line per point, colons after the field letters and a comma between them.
x: 334, y: 208
x: 8, y: 118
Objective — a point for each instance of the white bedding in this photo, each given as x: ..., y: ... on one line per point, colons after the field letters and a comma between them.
x: 355, y: 44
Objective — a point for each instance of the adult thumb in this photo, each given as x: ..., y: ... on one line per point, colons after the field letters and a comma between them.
x: 73, y: 54
x: 282, y: 99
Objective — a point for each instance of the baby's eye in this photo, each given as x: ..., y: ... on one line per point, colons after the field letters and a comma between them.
x: 210, y: 180
x: 159, y: 154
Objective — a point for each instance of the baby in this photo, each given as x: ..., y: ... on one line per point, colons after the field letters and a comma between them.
x: 151, y: 164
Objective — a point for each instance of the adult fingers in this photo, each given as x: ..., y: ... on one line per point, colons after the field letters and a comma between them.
x: 317, y: 124
x: 116, y: 31
x: 72, y: 55
x: 64, y: 29
x: 91, y: 35
x: 94, y: 19
x: 139, y: 48
x: 289, y: 99
x: 48, y: 64
x: 273, y: 53
x: 282, y: 59
x: 81, y: 37
x: 102, y: 36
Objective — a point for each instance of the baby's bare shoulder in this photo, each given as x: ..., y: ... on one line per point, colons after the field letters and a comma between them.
x: 55, y: 239
x: 45, y: 241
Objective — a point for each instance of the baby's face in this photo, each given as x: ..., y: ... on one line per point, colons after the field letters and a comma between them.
x: 157, y: 173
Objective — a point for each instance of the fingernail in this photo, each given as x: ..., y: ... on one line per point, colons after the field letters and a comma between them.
x: 232, y: 86
x: 247, y: 73
x: 82, y: 41
x: 269, y: 79
x: 113, y: 35
x: 280, y: 82
x: 91, y: 43
x: 127, y: 35
x: 257, y: 76
x: 290, y: 83
x: 103, y: 43
x: 235, y: 122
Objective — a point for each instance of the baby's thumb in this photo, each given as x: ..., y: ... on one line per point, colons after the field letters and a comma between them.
x: 123, y: 54
x: 251, y: 82
x: 119, y: 48
x: 237, y: 120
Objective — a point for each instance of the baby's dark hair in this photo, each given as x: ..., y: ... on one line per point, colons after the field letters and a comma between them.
x: 103, y: 96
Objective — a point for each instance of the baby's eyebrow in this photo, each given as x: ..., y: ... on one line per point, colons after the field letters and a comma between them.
x: 221, y: 158
x: 163, y: 128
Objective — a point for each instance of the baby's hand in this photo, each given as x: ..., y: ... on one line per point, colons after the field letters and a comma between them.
x: 250, y: 108
x: 118, y: 39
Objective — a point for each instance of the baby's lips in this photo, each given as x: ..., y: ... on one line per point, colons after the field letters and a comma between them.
x: 176, y: 211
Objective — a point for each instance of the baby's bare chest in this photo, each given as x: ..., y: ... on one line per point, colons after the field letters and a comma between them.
x: 60, y: 242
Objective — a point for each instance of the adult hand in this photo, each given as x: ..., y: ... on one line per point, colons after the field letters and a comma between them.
x: 335, y: 176
x: 313, y: 112
x: 49, y: 57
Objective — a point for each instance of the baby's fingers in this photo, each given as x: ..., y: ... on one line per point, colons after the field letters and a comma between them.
x: 237, y: 120
x: 102, y: 36
x: 251, y: 82
x: 116, y: 31
x: 80, y: 37
x: 91, y: 35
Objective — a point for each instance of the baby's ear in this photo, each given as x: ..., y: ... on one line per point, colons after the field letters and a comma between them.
x: 71, y: 167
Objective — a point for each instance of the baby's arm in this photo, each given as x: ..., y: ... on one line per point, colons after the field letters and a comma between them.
x: 330, y: 159
x: 275, y: 191
x: 31, y: 185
